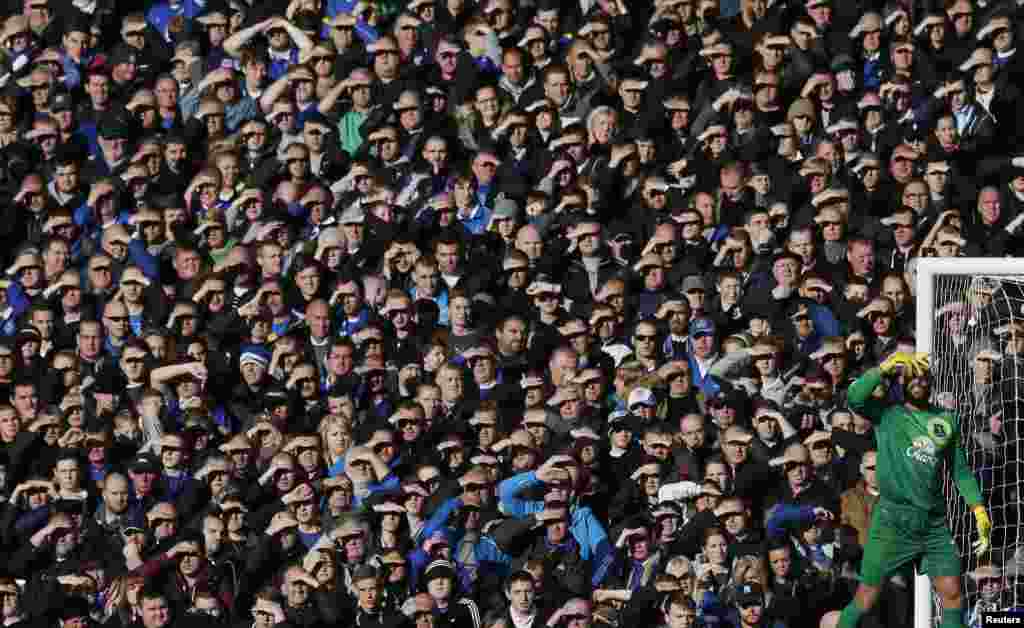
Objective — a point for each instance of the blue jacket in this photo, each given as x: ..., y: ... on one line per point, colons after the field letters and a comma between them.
x: 825, y: 322
x: 489, y: 557
x: 707, y: 383
x: 160, y: 15
x: 19, y: 302
x: 585, y: 527
x: 785, y: 517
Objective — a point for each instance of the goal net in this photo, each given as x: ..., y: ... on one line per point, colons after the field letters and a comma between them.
x: 970, y: 318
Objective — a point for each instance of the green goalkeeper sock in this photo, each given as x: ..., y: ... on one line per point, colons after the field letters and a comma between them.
x: 850, y: 616
x: 952, y: 618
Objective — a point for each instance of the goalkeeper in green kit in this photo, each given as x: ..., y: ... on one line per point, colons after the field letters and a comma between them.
x: 909, y: 522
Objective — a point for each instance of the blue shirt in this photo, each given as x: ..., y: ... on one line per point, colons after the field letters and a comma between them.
x: 442, y: 303
x: 160, y: 15
x: 235, y: 115
x: 476, y: 223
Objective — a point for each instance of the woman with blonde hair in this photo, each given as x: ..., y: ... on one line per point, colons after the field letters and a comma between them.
x: 122, y: 605
x: 335, y: 437
x: 228, y: 164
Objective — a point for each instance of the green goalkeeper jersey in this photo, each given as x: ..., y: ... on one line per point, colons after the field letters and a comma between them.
x: 911, y: 446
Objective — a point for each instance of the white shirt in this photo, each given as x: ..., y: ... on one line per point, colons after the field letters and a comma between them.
x: 522, y: 621
x: 984, y: 99
x: 704, y: 365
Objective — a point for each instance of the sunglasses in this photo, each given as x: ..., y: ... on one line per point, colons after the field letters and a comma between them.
x: 821, y: 445
x: 791, y: 466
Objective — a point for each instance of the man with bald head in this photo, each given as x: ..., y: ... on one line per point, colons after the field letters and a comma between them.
x: 113, y: 511
x: 529, y: 241
x: 318, y: 320
x: 857, y: 503
x: 695, y: 448
x: 735, y: 446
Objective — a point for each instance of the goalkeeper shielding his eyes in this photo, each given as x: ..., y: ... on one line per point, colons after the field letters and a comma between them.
x: 908, y: 524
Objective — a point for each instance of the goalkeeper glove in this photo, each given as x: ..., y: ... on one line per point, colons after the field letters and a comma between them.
x: 984, y: 525
x: 914, y: 364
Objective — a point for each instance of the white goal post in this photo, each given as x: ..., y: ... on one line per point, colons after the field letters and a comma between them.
x: 927, y: 271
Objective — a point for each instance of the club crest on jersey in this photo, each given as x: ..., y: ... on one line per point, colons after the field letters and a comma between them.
x: 940, y: 430
x: 923, y: 450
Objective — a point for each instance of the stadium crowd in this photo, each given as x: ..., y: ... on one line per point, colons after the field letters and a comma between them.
x: 444, y: 314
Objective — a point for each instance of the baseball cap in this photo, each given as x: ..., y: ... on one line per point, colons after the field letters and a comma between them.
x: 61, y: 101
x: 642, y: 397
x: 144, y: 463
x: 694, y: 282
x: 702, y: 327
x: 505, y: 208
x: 438, y: 569
x: 364, y: 572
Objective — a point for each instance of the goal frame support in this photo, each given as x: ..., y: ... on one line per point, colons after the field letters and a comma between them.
x: 928, y: 268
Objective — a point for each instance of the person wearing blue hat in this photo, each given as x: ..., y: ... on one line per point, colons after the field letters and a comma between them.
x: 703, y: 352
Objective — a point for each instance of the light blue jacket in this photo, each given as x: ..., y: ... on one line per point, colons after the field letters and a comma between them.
x: 585, y: 527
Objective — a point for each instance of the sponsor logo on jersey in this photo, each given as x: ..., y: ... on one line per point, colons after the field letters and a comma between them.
x: 923, y: 451
x: 940, y: 430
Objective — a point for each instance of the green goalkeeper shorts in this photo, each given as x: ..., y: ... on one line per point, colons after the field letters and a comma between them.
x: 900, y: 536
